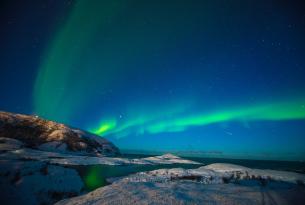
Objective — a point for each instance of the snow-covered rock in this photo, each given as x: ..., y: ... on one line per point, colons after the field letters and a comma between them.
x: 186, y: 192
x: 217, y: 173
x: 168, y: 159
x: 36, y: 182
x: 69, y: 159
x: 205, y: 185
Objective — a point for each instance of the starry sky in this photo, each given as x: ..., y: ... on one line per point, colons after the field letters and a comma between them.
x: 222, y: 78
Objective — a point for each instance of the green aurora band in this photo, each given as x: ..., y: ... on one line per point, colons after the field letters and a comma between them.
x: 88, y: 56
x: 154, y: 124
x: 60, y: 88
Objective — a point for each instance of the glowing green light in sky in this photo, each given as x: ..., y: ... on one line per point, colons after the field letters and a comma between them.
x: 66, y: 79
x: 104, y: 127
x: 276, y: 111
x: 128, y: 68
x: 140, y: 119
x: 177, y: 123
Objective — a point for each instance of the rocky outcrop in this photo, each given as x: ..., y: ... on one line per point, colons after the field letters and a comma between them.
x: 38, y: 133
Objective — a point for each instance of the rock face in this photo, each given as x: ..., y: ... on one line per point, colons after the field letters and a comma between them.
x: 212, y: 184
x: 38, y: 133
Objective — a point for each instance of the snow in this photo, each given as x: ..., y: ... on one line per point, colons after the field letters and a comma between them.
x: 35, y: 182
x: 16, y: 151
x: 214, y: 174
x: 32, y: 176
x: 184, y: 193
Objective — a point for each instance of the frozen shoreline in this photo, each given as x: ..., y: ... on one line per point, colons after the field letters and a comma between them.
x: 213, y: 184
x: 12, y: 149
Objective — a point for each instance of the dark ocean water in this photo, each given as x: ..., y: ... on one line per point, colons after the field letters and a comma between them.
x: 94, y: 176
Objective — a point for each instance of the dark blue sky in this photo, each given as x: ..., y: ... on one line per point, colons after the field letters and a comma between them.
x: 224, y: 78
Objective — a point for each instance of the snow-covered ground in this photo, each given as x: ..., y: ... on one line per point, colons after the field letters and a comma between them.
x: 188, y: 193
x: 33, y: 176
x: 36, y: 182
x: 14, y: 150
x: 217, y: 173
x: 212, y: 184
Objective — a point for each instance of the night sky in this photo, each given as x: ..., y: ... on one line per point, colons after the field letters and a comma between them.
x: 219, y: 78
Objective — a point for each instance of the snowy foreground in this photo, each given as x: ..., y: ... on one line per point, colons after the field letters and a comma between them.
x: 212, y: 184
x: 185, y: 193
x: 33, y: 176
x: 217, y: 173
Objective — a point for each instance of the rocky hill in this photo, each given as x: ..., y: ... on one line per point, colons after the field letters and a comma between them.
x: 47, y: 135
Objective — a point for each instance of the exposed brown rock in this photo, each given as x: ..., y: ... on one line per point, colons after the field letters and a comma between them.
x: 34, y: 132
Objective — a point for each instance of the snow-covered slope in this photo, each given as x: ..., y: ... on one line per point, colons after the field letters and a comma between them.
x: 217, y: 173
x: 212, y: 184
x: 188, y: 193
x: 12, y: 149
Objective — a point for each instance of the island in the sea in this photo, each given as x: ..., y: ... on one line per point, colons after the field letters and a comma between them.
x: 44, y: 162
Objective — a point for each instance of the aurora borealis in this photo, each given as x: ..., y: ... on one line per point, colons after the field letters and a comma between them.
x: 215, y: 78
x: 275, y: 112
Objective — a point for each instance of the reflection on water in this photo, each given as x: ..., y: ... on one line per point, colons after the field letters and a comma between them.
x: 95, y: 176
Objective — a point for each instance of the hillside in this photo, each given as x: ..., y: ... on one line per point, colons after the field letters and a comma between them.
x: 47, y: 135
